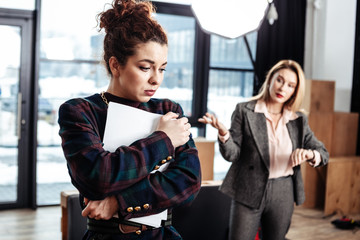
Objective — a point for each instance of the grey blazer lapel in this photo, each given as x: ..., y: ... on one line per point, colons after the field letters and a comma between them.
x: 257, y: 123
x: 295, y: 131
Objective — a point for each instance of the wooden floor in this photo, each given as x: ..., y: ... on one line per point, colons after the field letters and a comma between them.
x: 44, y: 224
x: 311, y: 224
x: 27, y: 224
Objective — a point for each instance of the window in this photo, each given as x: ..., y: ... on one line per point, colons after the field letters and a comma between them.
x: 10, y: 62
x: 71, y: 50
x: 178, y: 80
x: 223, y: 78
x: 18, y: 4
x: 231, y: 77
x: 70, y: 54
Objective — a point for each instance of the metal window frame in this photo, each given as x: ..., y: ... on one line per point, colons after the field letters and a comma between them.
x: 201, y: 62
x: 26, y: 185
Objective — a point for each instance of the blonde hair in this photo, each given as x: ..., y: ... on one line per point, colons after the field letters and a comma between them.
x: 295, y: 101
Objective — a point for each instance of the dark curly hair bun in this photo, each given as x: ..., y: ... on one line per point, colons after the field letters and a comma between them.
x: 126, y: 24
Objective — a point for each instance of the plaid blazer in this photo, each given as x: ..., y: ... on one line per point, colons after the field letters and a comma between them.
x: 125, y: 173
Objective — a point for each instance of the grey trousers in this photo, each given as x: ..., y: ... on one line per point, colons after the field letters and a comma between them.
x: 274, y: 214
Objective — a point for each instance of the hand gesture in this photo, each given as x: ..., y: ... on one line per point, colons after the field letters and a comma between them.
x: 178, y: 130
x: 301, y: 155
x: 101, y: 209
x: 209, y: 118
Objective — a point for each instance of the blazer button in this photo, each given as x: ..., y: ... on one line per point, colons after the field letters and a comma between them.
x: 163, y: 161
x: 156, y: 167
x: 146, y: 206
x: 137, y: 208
x: 130, y: 209
x: 169, y: 158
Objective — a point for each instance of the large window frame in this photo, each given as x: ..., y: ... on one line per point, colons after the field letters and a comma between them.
x: 201, y: 71
x: 201, y: 62
x: 202, y: 66
x: 26, y: 187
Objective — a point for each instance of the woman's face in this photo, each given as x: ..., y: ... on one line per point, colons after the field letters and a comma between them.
x: 282, y: 85
x: 143, y: 73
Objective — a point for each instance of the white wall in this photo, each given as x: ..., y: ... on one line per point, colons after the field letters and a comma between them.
x: 329, y: 46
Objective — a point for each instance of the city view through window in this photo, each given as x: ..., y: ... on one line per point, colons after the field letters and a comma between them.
x: 70, y: 66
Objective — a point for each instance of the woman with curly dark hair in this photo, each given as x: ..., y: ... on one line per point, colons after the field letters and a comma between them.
x: 120, y: 186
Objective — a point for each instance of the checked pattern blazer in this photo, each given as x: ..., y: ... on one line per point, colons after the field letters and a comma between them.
x: 248, y: 150
x: 125, y: 173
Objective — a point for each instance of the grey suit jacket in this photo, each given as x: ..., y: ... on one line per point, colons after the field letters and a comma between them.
x: 248, y: 150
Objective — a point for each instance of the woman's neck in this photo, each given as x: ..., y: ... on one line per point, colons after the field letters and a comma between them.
x: 274, y: 108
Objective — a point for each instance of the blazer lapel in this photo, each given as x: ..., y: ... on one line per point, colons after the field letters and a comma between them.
x: 257, y: 123
x: 295, y: 131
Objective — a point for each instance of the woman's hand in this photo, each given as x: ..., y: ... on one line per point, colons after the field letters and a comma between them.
x: 209, y: 118
x: 178, y: 130
x: 301, y: 155
x: 102, y: 209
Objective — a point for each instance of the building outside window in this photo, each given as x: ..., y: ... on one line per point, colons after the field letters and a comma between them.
x: 230, y: 82
x: 70, y: 55
x: 178, y: 79
x: 70, y: 66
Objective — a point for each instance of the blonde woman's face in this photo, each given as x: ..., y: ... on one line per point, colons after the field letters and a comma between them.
x: 143, y: 73
x: 282, y: 86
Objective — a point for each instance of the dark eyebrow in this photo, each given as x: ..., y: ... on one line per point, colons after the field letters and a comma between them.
x: 151, y: 62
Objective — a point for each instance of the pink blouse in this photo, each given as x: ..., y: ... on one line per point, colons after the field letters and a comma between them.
x: 280, y: 146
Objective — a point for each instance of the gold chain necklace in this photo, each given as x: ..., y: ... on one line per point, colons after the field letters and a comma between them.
x: 102, y: 94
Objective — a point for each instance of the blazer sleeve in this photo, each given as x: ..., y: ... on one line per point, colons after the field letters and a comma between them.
x: 311, y: 142
x: 177, y: 185
x: 230, y: 150
x: 97, y: 173
x: 126, y: 173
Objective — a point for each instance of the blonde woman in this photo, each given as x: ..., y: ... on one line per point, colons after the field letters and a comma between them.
x: 268, y: 140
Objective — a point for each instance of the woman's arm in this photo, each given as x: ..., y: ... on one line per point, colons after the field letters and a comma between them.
x: 312, y: 151
x: 177, y: 185
x: 97, y: 173
x: 311, y: 142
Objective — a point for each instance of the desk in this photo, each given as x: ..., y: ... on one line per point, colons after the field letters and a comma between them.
x: 207, y: 217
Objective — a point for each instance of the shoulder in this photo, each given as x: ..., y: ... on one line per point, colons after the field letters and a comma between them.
x: 74, y: 103
x: 86, y: 105
x: 246, y: 106
x: 300, y: 115
x: 94, y: 100
x: 299, y: 118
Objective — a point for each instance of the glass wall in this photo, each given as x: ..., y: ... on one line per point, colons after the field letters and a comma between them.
x: 70, y: 54
x: 230, y: 82
x: 178, y: 79
x: 10, y: 48
x: 71, y: 51
x: 18, y: 4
